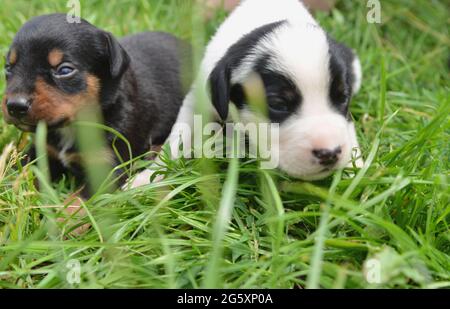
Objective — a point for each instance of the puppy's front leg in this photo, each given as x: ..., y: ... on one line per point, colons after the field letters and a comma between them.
x: 56, y: 168
x: 181, y: 134
x: 73, y: 213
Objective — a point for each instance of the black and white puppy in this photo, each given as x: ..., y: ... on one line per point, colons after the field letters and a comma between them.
x: 309, y: 80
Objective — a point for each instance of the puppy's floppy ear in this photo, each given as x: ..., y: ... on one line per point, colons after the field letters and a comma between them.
x: 219, y: 83
x: 118, y: 57
x: 349, y: 58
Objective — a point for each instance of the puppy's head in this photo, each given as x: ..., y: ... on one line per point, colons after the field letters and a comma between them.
x: 309, y: 80
x: 55, y: 68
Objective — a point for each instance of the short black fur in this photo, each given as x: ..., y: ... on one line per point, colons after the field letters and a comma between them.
x: 220, y: 78
x: 142, y: 79
x: 282, y: 95
x: 342, y: 76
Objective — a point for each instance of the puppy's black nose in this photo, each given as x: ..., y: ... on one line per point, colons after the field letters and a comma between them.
x: 327, y: 157
x: 18, y: 107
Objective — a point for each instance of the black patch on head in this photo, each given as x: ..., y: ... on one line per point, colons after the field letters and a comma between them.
x: 341, y: 75
x: 220, y: 78
x: 282, y: 95
x: 89, y: 49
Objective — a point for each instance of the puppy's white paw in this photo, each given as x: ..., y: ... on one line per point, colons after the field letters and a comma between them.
x: 359, y: 163
x: 357, y: 159
x: 142, y: 179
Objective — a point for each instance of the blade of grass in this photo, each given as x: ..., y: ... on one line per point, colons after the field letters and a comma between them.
x: 212, y: 274
x: 43, y: 172
x: 313, y: 281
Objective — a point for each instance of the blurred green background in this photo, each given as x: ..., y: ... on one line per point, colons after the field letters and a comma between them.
x: 283, y: 233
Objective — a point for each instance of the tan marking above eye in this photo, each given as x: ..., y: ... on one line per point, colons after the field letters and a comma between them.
x: 55, y: 57
x: 12, y: 57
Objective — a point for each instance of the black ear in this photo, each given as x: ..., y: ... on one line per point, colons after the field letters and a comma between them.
x: 118, y: 57
x: 350, y: 66
x: 219, y: 83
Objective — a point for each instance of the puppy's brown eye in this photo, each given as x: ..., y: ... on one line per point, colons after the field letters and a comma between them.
x: 65, y: 70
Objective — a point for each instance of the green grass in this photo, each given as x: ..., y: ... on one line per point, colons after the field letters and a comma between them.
x: 282, y: 233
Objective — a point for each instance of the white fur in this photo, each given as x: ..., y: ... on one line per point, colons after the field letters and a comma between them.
x: 251, y: 14
x: 66, y: 143
x: 301, y: 51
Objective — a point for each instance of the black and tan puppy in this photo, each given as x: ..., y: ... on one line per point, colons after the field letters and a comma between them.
x: 55, y: 68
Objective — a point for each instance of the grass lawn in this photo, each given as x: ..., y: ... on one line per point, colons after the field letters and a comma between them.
x: 388, y: 226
